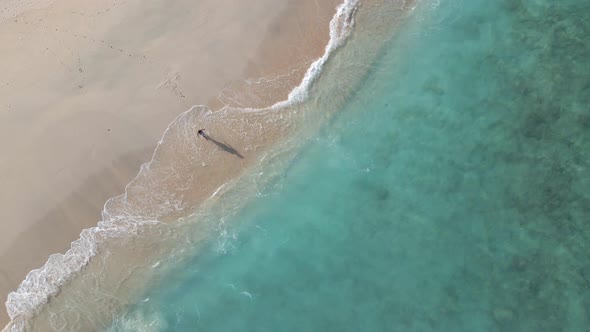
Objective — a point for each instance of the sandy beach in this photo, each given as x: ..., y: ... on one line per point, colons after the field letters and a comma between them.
x: 332, y: 129
x: 87, y: 89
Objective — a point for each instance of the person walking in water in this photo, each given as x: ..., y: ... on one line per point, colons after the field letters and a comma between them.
x: 202, y: 133
x: 223, y: 146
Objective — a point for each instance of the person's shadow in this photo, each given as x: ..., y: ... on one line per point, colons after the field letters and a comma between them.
x: 223, y: 146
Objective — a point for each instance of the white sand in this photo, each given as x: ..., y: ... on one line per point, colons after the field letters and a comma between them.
x: 88, y: 87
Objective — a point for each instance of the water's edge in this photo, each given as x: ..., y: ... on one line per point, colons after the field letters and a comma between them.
x: 42, y: 283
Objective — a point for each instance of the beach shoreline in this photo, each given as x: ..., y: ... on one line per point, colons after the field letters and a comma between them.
x: 73, y: 201
x: 186, y: 170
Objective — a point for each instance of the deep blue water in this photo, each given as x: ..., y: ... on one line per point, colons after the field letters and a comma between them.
x: 451, y: 194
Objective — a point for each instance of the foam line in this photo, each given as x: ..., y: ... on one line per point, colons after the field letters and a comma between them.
x: 40, y: 284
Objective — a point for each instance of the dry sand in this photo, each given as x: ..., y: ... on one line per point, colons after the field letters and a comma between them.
x: 88, y: 87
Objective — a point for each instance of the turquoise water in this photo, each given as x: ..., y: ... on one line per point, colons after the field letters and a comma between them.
x: 451, y: 194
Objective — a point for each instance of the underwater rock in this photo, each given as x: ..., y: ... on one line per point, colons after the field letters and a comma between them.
x: 382, y: 193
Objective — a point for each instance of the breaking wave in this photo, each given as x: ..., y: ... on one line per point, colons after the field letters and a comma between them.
x: 147, y: 199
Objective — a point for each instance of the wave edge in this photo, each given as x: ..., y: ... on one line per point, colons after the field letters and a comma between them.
x: 40, y: 284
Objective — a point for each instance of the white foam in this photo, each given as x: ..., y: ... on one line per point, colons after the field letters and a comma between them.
x: 340, y: 28
x: 44, y: 282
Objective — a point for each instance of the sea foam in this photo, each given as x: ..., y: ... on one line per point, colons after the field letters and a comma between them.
x: 40, y: 284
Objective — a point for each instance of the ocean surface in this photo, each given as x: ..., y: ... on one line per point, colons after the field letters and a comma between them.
x: 452, y: 193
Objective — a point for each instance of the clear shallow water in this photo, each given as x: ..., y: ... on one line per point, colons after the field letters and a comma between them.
x: 451, y: 194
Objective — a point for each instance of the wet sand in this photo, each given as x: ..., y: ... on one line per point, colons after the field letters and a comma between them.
x: 88, y: 89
